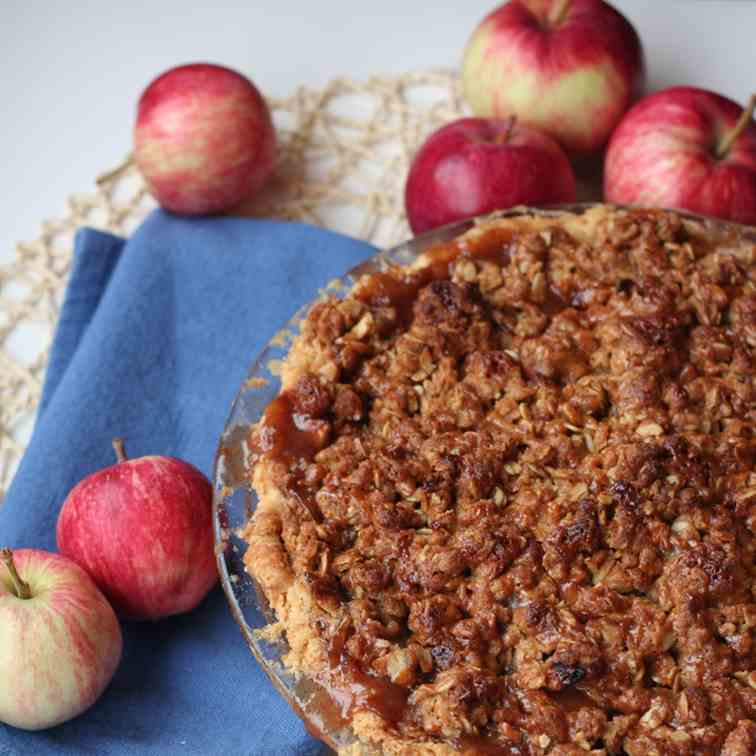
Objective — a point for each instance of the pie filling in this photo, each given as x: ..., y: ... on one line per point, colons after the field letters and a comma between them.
x: 507, y: 496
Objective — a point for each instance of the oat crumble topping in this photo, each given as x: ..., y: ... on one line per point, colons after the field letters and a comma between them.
x: 508, y: 497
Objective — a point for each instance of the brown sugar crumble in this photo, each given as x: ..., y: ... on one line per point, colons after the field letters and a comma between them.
x: 508, y: 495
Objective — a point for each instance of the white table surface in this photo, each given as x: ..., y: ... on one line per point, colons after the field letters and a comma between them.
x: 72, y: 71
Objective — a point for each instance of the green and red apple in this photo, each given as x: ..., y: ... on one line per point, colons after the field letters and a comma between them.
x: 685, y: 148
x: 570, y: 68
x: 203, y: 139
x: 60, y: 641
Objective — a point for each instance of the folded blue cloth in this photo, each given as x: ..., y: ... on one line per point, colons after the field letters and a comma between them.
x: 155, y: 337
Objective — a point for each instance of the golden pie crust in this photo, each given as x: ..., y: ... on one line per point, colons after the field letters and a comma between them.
x: 507, y: 496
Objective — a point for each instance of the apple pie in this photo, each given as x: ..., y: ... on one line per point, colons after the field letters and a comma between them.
x: 507, y: 495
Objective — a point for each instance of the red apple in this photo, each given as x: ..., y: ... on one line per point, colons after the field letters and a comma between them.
x: 570, y: 68
x: 142, y: 529
x: 60, y: 642
x: 685, y: 148
x: 204, y: 139
x: 477, y: 165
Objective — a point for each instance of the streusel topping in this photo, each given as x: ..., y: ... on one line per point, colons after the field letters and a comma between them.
x: 508, y: 496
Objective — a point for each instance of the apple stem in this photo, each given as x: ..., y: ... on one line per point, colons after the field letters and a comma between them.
x: 20, y: 587
x: 119, y: 449
x: 504, y: 136
x: 731, y: 137
x: 559, y: 12
x: 511, y: 127
x: 105, y: 178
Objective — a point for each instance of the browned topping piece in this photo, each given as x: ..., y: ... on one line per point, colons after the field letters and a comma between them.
x: 515, y: 497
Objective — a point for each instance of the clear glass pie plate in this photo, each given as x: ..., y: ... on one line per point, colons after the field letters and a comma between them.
x: 235, y: 501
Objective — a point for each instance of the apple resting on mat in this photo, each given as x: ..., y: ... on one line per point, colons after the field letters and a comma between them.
x: 477, y: 165
x: 570, y: 68
x: 685, y: 148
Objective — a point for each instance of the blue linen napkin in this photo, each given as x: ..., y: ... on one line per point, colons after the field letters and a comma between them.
x: 155, y: 337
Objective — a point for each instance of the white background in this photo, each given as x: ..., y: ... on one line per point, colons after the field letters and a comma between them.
x: 71, y: 71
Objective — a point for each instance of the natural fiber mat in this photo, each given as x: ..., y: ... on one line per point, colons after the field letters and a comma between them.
x: 343, y: 156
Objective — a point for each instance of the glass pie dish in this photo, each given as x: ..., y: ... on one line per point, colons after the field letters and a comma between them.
x: 235, y: 501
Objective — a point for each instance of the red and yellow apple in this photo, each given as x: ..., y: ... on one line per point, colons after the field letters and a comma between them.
x: 685, y: 148
x: 203, y: 140
x: 570, y: 68
x: 477, y: 165
x: 60, y: 641
x: 142, y: 528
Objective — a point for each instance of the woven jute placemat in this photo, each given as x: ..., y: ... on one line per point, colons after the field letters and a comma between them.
x: 343, y: 157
